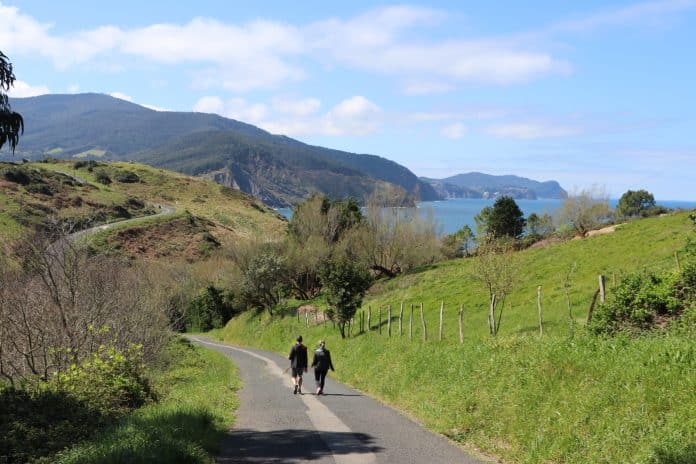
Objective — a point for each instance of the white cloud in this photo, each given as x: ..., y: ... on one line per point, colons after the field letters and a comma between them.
x: 302, y: 107
x: 154, y: 107
x: 530, y: 130
x: 356, y: 116
x: 74, y: 88
x: 21, y: 89
x: 122, y: 96
x: 454, y: 131
x: 425, y: 87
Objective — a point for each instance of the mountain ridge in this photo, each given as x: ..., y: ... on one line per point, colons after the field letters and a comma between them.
x: 480, y: 185
x: 275, y: 168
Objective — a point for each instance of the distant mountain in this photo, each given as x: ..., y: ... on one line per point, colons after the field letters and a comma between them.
x: 479, y: 185
x: 277, y: 169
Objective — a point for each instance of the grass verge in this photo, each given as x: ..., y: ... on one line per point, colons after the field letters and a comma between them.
x: 197, y: 399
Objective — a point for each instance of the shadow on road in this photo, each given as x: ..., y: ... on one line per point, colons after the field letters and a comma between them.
x: 338, y: 394
x: 290, y: 446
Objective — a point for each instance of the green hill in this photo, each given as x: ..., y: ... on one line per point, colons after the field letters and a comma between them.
x: 35, y: 196
x: 274, y: 168
x: 523, y: 397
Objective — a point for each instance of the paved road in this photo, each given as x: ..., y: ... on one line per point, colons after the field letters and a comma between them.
x: 164, y: 210
x: 343, y: 426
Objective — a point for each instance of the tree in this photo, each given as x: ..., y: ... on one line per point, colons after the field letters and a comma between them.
x: 497, y: 269
x: 633, y: 203
x: 456, y: 245
x: 539, y: 226
x: 585, y: 210
x: 505, y: 218
x: 11, y: 123
x: 346, y: 282
x: 264, y: 278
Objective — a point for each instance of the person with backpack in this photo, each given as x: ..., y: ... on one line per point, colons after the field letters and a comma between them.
x: 298, y: 364
x: 321, y: 364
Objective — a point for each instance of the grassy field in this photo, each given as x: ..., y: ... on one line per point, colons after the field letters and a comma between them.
x: 524, y: 397
x: 196, y: 389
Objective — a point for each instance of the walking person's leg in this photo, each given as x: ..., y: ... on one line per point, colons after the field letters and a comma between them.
x: 322, y: 377
x: 317, y: 375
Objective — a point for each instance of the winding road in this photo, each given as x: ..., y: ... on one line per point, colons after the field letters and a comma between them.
x: 343, y: 426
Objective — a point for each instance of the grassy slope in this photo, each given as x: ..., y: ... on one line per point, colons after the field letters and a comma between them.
x: 524, y: 398
x: 230, y: 213
x: 197, y: 399
x: 202, y: 198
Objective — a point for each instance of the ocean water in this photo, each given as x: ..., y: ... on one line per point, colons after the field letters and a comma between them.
x: 452, y: 215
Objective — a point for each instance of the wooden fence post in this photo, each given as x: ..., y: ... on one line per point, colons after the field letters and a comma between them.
x: 461, y: 328
x: 306, y: 318
x: 389, y: 321
x: 541, y: 322
x: 401, y: 318
x: 410, y: 324
x: 369, y: 318
x: 380, y: 321
x: 425, y: 328
x: 491, y: 316
x: 442, y: 310
x: 602, y: 291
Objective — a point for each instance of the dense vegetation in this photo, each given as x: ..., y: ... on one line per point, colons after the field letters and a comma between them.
x: 87, y: 414
x: 565, y: 396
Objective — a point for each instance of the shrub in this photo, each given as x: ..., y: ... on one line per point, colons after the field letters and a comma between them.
x: 109, y: 380
x: 102, y: 177
x: 127, y: 177
x: 211, y: 309
x: 643, y: 301
x: 40, y: 188
x: 17, y: 175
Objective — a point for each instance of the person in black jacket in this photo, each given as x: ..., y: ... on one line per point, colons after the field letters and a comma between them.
x: 321, y: 364
x: 298, y: 364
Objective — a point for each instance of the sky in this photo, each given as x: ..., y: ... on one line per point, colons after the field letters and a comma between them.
x: 593, y: 94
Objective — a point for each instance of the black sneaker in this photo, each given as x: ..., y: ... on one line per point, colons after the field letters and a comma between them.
x: 294, y: 392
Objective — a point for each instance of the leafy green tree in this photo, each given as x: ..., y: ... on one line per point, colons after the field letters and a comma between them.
x: 209, y: 310
x: 633, y: 203
x: 539, y: 226
x: 346, y: 283
x: 264, y: 283
x: 504, y: 219
x: 457, y: 245
x: 11, y: 123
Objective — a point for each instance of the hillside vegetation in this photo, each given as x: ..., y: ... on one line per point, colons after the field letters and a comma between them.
x: 38, y: 195
x: 523, y: 397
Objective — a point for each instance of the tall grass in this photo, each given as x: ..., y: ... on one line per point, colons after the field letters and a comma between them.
x: 197, y: 399
x: 522, y: 397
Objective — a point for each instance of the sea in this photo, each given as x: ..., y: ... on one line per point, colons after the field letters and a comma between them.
x: 451, y: 215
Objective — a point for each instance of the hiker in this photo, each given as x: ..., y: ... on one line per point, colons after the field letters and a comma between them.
x: 321, y: 364
x: 298, y: 364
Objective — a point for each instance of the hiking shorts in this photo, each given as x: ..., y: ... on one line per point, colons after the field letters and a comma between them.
x: 297, y: 371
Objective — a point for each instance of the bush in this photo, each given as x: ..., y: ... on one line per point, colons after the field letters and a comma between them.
x: 109, y: 381
x: 127, y: 177
x: 211, y: 309
x: 102, y: 177
x: 644, y: 301
x: 17, y: 175
x: 40, y: 188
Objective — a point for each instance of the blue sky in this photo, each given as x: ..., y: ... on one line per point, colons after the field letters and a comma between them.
x: 588, y: 93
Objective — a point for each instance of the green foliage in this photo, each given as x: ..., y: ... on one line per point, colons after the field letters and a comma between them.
x: 110, y: 381
x: 11, y: 123
x: 211, y: 309
x: 540, y: 226
x: 457, y: 245
x: 127, y: 177
x: 646, y: 300
x: 265, y: 278
x: 585, y: 210
x: 634, y: 203
x: 503, y: 219
x: 196, y: 399
x: 346, y: 283
x: 102, y: 177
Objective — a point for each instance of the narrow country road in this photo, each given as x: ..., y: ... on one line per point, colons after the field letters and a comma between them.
x: 343, y: 426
